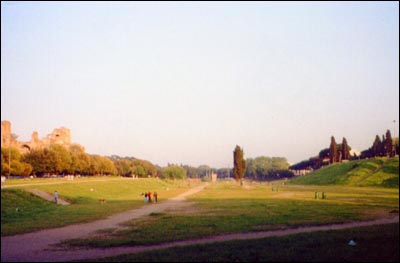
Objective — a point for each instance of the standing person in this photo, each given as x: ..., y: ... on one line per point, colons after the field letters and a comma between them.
x: 145, y: 198
x: 155, y: 196
x: 55, y: 196
x: 149, y: 195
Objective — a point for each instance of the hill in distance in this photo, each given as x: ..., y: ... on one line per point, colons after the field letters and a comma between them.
x: 380, y: 172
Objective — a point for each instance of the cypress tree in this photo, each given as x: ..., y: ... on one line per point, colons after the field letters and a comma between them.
x: 388, y: 145
x: 382, y: 146
x: 239, y: 164
x: 333, y: 150
x: 345, y: 150
x: 376, y: 145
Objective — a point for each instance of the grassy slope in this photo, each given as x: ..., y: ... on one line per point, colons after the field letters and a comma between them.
x: 382, y: 172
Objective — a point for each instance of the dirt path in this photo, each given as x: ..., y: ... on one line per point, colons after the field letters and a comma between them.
x: 47, y: 196
x: 31, y: 246
x: 37, y: 247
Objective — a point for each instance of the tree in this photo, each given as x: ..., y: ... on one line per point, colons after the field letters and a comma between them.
x: 262, y: 168
x: 333, y: 151
x: 61, y: 159
x: 80, y: 161
x: 16, y: 166
x: 239, y: 164
x: 389, y: 145
x: 345, y: 150
x: 173, y: 172
x: 376, y: 146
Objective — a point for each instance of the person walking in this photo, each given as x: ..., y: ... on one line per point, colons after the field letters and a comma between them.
x: 149, y: 195
x: 55, y: 196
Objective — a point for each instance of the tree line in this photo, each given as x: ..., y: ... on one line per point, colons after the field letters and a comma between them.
x: 260, y: 168
x: 58, y: 160
x: 382, y: 147
x: 387, y: 146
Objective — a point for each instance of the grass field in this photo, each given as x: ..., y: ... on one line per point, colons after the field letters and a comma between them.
x: 379, y: 172
x: 374, y: 244
x: 226, y: 207
x: 22, y: 212
x: 222, y: 207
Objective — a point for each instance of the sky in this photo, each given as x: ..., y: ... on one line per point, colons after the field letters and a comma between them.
x: 185, y: 82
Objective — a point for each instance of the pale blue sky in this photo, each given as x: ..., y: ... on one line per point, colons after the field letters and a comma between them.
x: 186, y: 82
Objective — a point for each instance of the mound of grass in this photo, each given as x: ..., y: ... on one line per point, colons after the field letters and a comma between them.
x: 381, y: 172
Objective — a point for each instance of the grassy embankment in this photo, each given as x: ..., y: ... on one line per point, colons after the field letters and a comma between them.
x: 379, y: 172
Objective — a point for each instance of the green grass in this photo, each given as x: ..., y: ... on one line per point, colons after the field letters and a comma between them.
x: 374, y: 244
x: 121, y: 194
x: 381, y: 172
x: 27, y: 180
x: 228, y: 208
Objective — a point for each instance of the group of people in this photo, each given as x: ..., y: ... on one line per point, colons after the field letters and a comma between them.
x: 147, y: 197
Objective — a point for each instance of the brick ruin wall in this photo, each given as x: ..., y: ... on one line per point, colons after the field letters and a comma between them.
x: 61, y: 136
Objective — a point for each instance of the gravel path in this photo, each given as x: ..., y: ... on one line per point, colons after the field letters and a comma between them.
x: 47, y: 196
x: 36, y: 247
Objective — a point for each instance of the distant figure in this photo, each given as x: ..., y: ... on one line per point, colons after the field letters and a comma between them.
x: 323, y: 195
x: 316, y: 195
x: 145, y: 198
x: 55, y: 196
x: 155, y: 196
x: 149, y: 195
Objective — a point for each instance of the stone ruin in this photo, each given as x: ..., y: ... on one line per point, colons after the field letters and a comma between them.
x: 61, y: 136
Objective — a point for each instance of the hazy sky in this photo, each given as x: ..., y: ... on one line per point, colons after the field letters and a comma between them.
x: 186, y: 82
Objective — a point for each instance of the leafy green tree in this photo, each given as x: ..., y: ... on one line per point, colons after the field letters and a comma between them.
x: 123, y: 167
x: 140, y: 171
x: 262, y: 167
x: 61, y: 159
x: 106, y: 166
x: 333, y: 151
x: 18, y: 166
x: 239, y: 164
x: 173, y: 172
x: 251, y: 171
x: 80, y: 161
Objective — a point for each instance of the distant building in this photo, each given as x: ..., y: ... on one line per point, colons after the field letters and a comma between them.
x: 60, y: 136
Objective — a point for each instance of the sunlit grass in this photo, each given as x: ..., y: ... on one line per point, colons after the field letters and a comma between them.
x: 381, y: 172
x: 22, y: 212
x: 226, y: 207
